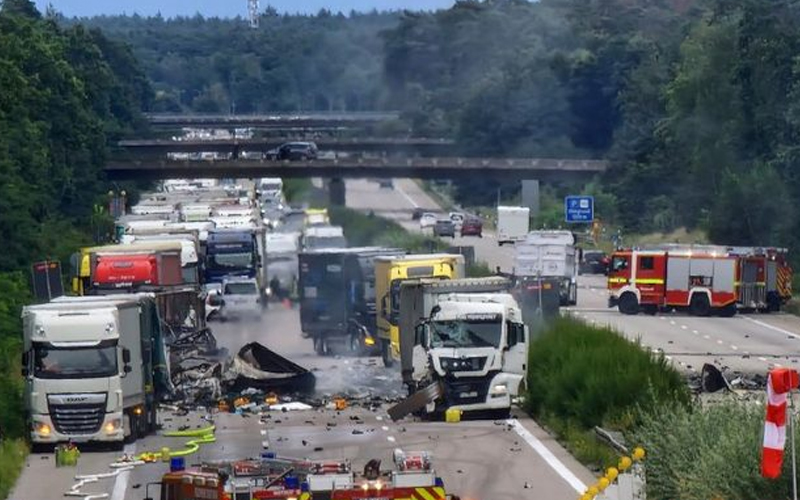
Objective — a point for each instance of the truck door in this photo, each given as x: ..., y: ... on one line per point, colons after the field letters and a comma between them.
x: 419, y: 354
x: 515, y: 358
x: 650, y: 273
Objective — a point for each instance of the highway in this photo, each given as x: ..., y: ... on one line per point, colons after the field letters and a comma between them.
x: 479, y: 460
x: 745, y: 344
x: 485, y: 460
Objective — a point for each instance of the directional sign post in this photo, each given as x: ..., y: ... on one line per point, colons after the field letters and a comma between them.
x: 579, y: 208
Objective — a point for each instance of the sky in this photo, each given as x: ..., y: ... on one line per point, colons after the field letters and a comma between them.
x: 227, y: 8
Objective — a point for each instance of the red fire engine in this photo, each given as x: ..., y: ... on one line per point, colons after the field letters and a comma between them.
x: 272, y: 478
x: 703, y: 279
x: 650, y: 280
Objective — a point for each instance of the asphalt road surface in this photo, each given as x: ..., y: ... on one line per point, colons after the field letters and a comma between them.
x: 490, y: 460
x: 746, y: 344
x: 479, y: 460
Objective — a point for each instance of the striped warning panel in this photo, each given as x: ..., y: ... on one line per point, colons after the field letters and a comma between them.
x: 784, y: 281
x: 429, y: 493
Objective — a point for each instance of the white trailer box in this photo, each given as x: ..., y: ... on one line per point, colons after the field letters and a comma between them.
x: 550, y: 254
x: 513, y: 223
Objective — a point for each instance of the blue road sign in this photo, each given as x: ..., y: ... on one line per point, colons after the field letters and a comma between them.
x: 579, y: 208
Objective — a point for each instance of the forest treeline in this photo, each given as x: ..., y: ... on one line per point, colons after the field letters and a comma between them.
x: 65, y: 92
x: 694, y: 102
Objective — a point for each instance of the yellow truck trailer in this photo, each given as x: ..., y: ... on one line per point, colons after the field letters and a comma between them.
x: 390, y: 273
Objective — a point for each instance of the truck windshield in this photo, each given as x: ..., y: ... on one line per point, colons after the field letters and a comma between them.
x: 466, y: 333
x: 75, y: 362
x: 233, y: 260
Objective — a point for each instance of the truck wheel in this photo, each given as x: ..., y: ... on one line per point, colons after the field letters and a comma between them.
x: 128, y: 429
x: 357, y: 345
x: 319, y: 345
x: 728, y: 311
x: 628, y: 304
x: 386, y: 354
x: 699, y: 306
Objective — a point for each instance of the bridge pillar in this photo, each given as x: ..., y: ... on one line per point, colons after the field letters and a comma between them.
x: 530, y: 195
x: 336, y: 191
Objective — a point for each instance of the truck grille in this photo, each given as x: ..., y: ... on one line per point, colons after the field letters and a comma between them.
x: 78, y: 419
x: 466, y: 391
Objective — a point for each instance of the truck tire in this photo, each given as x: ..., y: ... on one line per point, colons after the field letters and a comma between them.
x: 386, y: 353
x: 320, y: 346
x: 699, y: 306
x: 728, y: 311
x: 128, y: 428
x: 629, y: 304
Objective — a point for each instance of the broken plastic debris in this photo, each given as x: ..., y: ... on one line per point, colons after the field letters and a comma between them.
x: 293, y: 406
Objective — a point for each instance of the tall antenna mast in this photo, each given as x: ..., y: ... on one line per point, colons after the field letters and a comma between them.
x: 252, y: 10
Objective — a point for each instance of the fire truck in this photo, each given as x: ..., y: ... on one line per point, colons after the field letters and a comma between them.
x: 703, y: 279
x: 650, y: 280
x: 271, y: 478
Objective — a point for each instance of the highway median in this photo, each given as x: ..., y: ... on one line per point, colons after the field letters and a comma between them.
x: 582, y: 376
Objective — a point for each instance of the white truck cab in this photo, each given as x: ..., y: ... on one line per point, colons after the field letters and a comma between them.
x: 90, y: 368
x: 477, y: 345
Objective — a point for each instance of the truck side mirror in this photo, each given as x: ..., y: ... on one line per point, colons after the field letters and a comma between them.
x: 384, y: 306
x: 421, y: 335
x: 127, y: 369
x: 512, y: 335
x: 126, y: 355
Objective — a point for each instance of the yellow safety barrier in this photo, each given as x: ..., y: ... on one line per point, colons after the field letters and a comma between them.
x: 204, y: 435
x: 612, y: 473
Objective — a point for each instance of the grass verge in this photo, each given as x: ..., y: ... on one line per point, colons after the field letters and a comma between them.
x: 708, y: 452
x: 367, y: 230
x: 12, y: 459
x: 581, y: 376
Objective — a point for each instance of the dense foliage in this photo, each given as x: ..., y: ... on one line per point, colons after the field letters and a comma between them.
x: 708, y: 452
x: 325, y: 62
x: 694, y: 101
x: 64, y: 93
x: 594, y: 376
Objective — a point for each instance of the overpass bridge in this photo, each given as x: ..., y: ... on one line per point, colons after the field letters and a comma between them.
x: 142, y: 149
x: 278, y: 120
x: 389, y: 167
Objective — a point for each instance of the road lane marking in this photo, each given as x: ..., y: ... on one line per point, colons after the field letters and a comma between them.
x: 410, y: 200
x: 121, y: 481
x: 672, y: 322
x: 684, y: 327
x: 719, y: 342
x: 707, y: 337
x: 547, y: 456
x: 773, y: 328
x: 734, y: 347
x: 391, y: 439
x: 761, y: 358
x: 695, y: 332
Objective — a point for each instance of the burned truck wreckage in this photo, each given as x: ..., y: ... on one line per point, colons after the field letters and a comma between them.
x: 203, y: 373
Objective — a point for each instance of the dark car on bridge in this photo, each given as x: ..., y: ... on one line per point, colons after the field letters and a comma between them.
x: 472, y: 226
x: 295, y: 151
